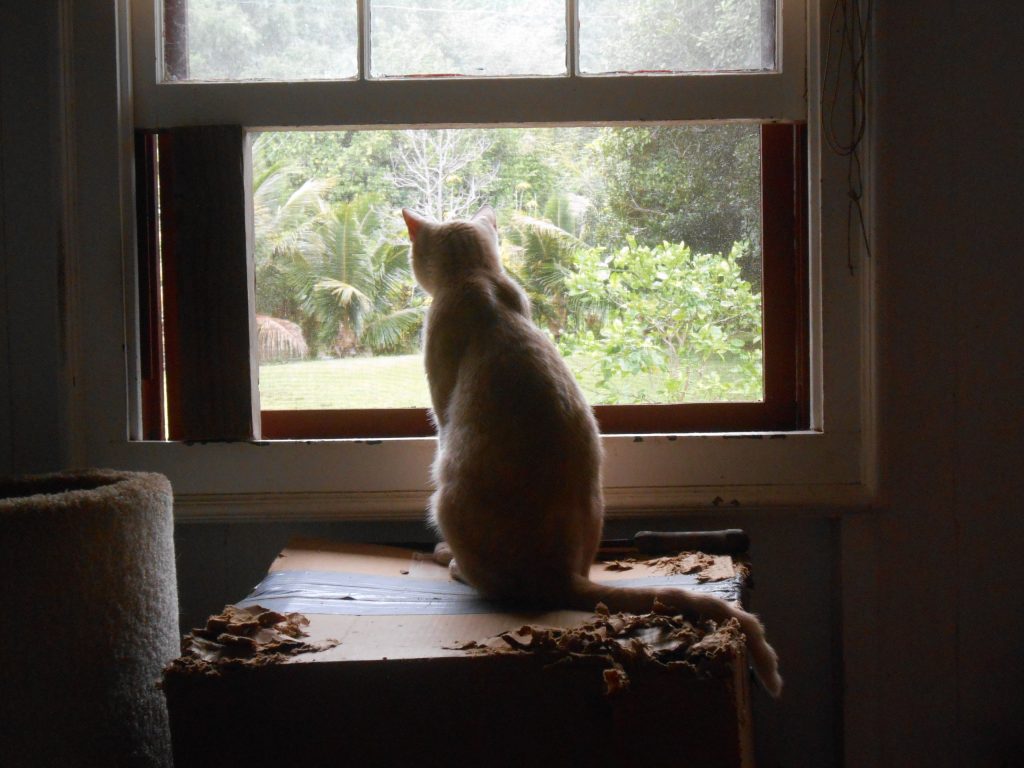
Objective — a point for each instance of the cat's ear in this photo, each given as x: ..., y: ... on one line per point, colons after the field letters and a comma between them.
x: 413, y: 222
x: 487, y: 214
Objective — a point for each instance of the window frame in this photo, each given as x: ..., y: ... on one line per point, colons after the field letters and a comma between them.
x: 209, y: 380
x: 622, y: 99
x: 571, y: 99
x: 831, y: 462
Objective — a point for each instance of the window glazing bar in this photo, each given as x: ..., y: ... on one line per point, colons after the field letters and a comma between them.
x: 572, y: 38
x: 363, y: 38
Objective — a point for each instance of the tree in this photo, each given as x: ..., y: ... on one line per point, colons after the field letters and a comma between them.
x: 686, y: 321
x: 269, y: 40
x: 335, y: 271
x: 284, y: 222
x: 540, y: 251
x: 695, y: 184
x: 361, y: 290
x: 671, y: 35
x: 469, y: 37
x: 435, y: 166
x: 575, y: 204
x: 357, y: 162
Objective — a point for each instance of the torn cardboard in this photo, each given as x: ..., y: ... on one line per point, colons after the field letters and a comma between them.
x: 506, y: 686
x: 243, y: 637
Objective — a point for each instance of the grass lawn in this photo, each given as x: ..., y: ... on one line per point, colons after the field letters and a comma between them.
x: 354, y: 382
x: 383, y: 382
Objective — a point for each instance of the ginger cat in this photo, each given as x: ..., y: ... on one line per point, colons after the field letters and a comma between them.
x: 518, y: 467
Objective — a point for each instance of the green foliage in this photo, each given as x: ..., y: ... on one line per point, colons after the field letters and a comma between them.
x: 695, y: 184
x: 540, y: 251
x: 334, y: 270
x: 668, y: 312
x: 670, y: 35
x: 470, y: 37
x: 355, y: 161
x: 240, y: 40
x: 648, y: 323
x: 360, y: 290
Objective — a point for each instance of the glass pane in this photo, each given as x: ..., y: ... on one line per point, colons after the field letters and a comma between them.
x: 260, y: 39
x: 639, y: 247
x: 676, y: 35
x: 487, y: 38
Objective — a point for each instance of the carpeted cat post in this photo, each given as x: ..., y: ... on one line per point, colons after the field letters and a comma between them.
x: 88, y: 604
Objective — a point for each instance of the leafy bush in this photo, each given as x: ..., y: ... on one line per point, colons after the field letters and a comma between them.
x: 687, y: 321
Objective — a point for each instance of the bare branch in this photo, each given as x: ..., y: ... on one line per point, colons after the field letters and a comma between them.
x: 431, y: 164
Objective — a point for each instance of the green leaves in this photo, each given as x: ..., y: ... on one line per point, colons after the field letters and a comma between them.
x: 591, y: 221
x: 687, y: 322
x: 332, y: 270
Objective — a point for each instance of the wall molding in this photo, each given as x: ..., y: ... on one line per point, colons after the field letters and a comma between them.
x: 621, y: 503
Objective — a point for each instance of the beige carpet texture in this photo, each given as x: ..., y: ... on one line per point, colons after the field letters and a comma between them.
x: 88, y: 600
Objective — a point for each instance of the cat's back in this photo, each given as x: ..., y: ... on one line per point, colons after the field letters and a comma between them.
x: 495, y: 377
x: 512, y: 384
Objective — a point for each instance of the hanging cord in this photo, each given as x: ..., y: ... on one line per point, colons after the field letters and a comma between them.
x: 846, y: 65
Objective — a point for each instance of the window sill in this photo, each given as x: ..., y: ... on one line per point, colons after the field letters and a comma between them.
x: 388, y: 479
x: 621, y: 504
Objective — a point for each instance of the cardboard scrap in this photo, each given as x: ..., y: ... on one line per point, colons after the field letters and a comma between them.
x: 624, y: 643
x: 619, y: 565
x: 707, y: 567
x: 243, y: 637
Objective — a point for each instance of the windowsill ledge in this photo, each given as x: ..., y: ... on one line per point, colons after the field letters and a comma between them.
x: 390, y: 479
x: 621, y: 503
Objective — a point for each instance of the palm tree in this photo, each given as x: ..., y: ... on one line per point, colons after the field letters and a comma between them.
x: 327, y: 268
x: 540, y: 251
x: 283, y: 229
x: 358, y: 285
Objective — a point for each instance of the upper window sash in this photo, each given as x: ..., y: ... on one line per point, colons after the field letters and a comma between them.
x: 565, y: 99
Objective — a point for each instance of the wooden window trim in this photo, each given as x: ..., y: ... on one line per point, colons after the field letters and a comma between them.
x: 785, y: 406
x: 198, y: 334
x: 151, y: 333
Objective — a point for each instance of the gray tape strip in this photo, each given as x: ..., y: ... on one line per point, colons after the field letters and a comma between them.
x: 357, y: 594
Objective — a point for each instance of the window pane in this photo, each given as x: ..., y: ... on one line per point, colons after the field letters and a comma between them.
x: 639, y: 247
x: 260, y: 39
x: 467, y: 37
x: 676, y: 35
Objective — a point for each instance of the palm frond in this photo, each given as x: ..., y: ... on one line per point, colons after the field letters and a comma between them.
x: 345, y: 295
x: 393, y: 331
x: 279, y: 339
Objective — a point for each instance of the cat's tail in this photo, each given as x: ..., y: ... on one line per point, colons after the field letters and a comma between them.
x: 587, y: 594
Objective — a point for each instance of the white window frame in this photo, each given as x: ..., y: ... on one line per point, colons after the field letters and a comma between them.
x: 831, y: 463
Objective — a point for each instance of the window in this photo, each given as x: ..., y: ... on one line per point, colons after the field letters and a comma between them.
x: 116, y: 88
x: 673, y: 221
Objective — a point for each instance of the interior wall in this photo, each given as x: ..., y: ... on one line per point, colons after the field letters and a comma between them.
x: 947, y: 166
x: 794, y: 563
x: 34, y: 391
x: 5, y: 358
x: 988, y: 169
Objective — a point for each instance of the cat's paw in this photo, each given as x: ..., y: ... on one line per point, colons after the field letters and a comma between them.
x: 455, y: 573
x: 443, y: 554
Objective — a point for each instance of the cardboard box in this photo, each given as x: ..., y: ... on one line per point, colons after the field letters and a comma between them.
x: 402, y: 666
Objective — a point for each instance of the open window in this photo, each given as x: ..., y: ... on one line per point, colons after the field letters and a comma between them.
x: 647, y: 160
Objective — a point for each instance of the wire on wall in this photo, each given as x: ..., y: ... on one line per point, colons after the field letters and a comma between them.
x: 844, y: 130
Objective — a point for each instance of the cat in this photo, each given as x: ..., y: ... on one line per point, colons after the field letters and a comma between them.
x: 517, y: 473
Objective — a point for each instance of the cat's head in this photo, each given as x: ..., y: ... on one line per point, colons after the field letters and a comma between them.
x: 445, y: 252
